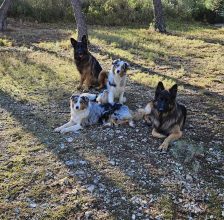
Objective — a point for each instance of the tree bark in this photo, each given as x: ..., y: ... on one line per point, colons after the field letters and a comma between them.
x: 159, y: 22
x: 80, y: 19
x: 3, y: 14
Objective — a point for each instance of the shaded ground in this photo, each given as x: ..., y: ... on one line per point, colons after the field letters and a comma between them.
x: 109, y: 173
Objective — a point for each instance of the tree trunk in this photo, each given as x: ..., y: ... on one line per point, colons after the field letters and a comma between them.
x: 80, y: 19
x: 159, y: 17
x: 3, y: 14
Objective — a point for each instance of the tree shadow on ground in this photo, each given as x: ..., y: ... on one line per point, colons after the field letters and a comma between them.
x: 195, y: 37
x: 42, y: 129
x: 29, y: 33
x: 151, y: 164
x: 144, y: 69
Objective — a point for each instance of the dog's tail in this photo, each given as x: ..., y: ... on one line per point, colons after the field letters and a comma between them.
x: 139, y: 114
x: 102, y: 79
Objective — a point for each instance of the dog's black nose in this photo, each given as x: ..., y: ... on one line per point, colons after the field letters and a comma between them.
x: 77, y: 107
x: 118, y: 71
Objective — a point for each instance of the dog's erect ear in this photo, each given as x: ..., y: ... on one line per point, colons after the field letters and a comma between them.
x: 126, y: 65
x: 73, y: 42
x: 84, y: 39
x: 116, y: 61
x: 159, y: 88
x: 173, y: 91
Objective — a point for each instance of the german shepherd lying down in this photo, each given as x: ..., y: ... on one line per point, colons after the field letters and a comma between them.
x: 87, y: 65
x: 166, y: 115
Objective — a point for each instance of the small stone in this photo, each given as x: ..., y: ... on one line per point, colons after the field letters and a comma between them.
x: 189, y: 178
x: 91, y: 188
x: 62, y: 146
x: 32, y: 205
x: 222, y: 213
x: 96, y: 179
x: 69, y: 139
x: 133, y: 217
x: 191, y: 126
x: 88, y: 214
x: 82, y: 162
x: 112, y: 162
x: 9, y: 165
x: 79, y: 172
x: 75, y: 192
x: 17, y: 210
x: 64, y: 181
x: 69, y: 163
x: 101, y: 187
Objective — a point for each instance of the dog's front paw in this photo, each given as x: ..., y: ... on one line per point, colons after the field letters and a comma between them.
x: 64, y: 130
x: 124, y: 99
x: 107, y: 124
x: 164, y: 146
x: 57, y: 129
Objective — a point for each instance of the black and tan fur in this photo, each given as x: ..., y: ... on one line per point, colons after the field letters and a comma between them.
x: 166, y: 115
x: 87, y: 65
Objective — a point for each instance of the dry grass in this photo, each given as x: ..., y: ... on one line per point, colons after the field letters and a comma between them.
x: 37, y: 76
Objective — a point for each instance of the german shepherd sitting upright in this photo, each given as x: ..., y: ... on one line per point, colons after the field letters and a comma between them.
x: 87, y: 65
x: 166, y: 115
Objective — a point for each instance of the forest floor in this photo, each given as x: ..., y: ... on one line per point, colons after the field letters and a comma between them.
x: 117, y: 172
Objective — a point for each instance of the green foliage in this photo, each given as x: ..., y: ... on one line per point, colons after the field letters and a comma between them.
x: 5, y: 42
x: 118, y: 12
x: 43, y: 10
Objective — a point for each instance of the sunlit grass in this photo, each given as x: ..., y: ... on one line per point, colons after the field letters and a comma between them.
x: 33, y: 76
x: 38, y: 77
x: 185, y: 55
x: 5, y: 42
x: 150, y: 80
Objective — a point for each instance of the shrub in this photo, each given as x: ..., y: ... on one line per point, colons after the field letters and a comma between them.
x: 118, y: 12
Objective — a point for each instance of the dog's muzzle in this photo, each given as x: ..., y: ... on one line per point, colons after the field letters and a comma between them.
x: 161, y: 107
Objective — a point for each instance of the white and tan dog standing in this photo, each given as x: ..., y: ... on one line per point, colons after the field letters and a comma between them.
x: 116, y: 81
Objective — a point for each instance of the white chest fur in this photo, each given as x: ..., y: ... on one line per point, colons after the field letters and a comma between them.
x: 78, y: 116
x: 116, y: 84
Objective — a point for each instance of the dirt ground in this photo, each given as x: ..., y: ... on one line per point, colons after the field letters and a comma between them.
x: 104, y: 172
